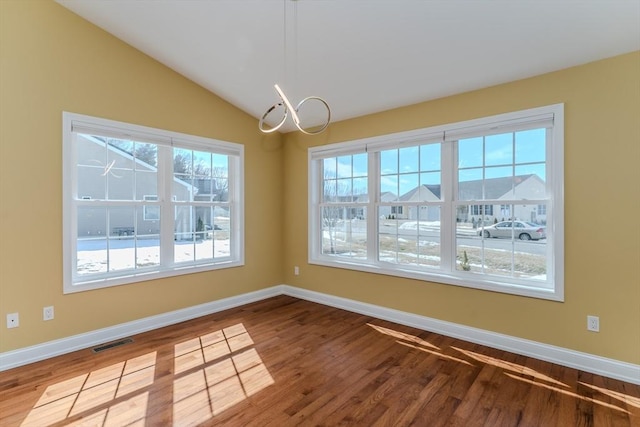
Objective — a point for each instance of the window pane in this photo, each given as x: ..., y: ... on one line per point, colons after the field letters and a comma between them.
x: 470, y: 153
x: 91, y: 155
x: 147, y: 240
x: 146, y: 182
x: 418, y: 239
x: 344, y: 190
x: 119, y: 169
x: 330, y: 190
x: 430, y: 157
x: 470, y: 186
x: 389, y: 162
x: 201, y: 164
x: 409, y: 235
x: 120, y: 154
x: 388, y: 245
x: 182, y: 162
x: 408, y: 185
x: 344, y: 167
x: 220, y: 166
x: 344, y: 232
x: 220, y: 190
x: 329, y: 168
x: 150, y: 212
x: 529, y: 187
x: 122, y: 241
x: 203, y: 222
x: 498, y: 149
x: 204, y: 233
x: 120, y: 184
x: 360, y: 166
x: 221, y: 232
x: 409, y: 159
x: 430, y: 186
x: 184, y: 223
x: 146, y: 155
x: 530, y: 146
x: 389, y: 188
x: 204, y: 189
x: 91, y: 241
x: 184, y: 234
x: 360, y: 192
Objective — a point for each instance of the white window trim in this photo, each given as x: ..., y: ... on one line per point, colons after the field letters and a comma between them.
x: 520, y: 120
x: 73, y: 123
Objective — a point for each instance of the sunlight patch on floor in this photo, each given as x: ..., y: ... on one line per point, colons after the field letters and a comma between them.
x: 437, y: 353
x: 402, y: 336
x: 84, y: 394
x: 566, y: 392
x: 509, y: 366
x: 214, y: 372
x: 629, y: 400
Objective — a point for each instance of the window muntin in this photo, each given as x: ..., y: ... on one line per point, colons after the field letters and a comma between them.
x: 141, y: 203
x: 477, y: 173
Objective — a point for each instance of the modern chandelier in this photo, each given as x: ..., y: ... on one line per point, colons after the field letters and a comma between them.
x: 284, y: 102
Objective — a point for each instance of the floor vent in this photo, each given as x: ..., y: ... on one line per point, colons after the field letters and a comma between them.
x: 104, y: 347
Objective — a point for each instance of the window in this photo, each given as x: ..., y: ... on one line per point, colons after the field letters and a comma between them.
x: 143, y: 203
x: 150, y: 213
x: 476, y: 204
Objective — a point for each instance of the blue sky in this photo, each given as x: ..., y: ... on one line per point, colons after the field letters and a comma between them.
x: 494, y: 156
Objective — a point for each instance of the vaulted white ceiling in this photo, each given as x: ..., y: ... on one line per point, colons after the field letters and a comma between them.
x: 365, y: 56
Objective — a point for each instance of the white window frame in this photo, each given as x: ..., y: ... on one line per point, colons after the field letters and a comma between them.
x: 550, y: 117
x: 72, y: 124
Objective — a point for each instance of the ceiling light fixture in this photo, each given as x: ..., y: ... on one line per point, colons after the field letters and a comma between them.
x: 284, y: 101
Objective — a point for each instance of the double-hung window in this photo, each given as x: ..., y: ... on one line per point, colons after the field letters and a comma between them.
x: 143, y: 203
x: 476, y: 204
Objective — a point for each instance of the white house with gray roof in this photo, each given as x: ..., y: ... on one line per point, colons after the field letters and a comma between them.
x: 521, y: 187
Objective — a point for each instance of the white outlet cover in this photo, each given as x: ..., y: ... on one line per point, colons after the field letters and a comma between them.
x: 13, y: 320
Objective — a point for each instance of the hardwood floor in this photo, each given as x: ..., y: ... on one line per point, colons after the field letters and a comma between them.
x: 286, y: 362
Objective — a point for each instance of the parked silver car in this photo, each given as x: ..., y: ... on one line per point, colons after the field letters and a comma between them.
x: 519, y: 229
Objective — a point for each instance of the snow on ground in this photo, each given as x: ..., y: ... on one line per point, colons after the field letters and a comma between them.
x: 94, y: 257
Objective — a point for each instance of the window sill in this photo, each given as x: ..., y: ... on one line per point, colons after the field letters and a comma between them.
x: 463, y: 279
x: 143, y: 276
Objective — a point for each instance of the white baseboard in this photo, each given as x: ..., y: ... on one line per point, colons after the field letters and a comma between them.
x: 26, y: 355
x: 574, y: 359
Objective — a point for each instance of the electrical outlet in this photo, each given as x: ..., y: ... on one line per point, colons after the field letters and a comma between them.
x: 593, y: 323
x: 13, y: 320
x: 296, y: 270
x: 47, y: 313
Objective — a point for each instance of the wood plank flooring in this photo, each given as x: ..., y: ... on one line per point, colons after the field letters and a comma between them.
x: 287, y: 362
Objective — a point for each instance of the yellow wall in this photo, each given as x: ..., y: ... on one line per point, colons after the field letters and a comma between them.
x: 54, y: 61
x: 602, y: 210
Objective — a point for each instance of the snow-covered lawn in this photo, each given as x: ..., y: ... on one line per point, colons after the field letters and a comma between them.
x: 127, y: 254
